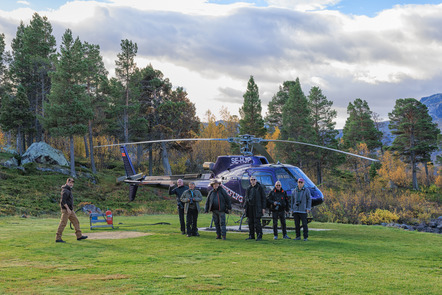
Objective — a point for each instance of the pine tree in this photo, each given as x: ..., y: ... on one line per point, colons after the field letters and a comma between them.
x: 15, y: 116
x: 360, y: 127
x: 324, y: 130
x: 251, y: 121
x: 274, y: 113
x: 125, y: 67
x: 4, y: 58
x: 296, y: 125
x: 33, y: 52
x: 69, y: 109
x: 94, y: 75
x: 416, y: 134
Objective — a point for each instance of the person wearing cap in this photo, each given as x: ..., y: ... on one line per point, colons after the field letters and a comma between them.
x: 67, y: 212
x: 301, y: 204
x: 178, y: 191
x: 191, y: 199
x: 219, y: 203
x: 255, y: 207
x: 279, y: 204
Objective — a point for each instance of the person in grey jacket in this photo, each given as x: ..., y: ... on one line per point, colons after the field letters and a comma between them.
x: 191, y: 199
x: 301, y: 204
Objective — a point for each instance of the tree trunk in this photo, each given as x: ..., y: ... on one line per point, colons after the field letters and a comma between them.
x: 91, y: 146
x: 139, y: 156
x: 318, y: 173
x: 126, y: 117
x: 86, y: 149
x: 165, y: 158
x: 413, y: 172
x: 71, y: 146
x: 19, y: 142
x: 413, y: 163
x: 426, y: 173
x: 150, y: 160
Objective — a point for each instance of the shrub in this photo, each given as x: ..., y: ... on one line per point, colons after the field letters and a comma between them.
x: 377, y: 217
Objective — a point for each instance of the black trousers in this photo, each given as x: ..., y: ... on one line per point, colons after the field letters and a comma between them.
x: 281, y: 216
x: 298, y: 218
x: 181, y: 215
x: 191, y: 220
x: 254, y: 222
x: 220, y: 222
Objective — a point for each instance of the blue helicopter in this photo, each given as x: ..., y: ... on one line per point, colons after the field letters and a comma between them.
x: 233, y: 172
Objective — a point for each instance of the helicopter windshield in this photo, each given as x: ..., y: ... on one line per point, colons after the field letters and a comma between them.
x: 289, y: 177
x: 297, y: 173
x: 287, y: 181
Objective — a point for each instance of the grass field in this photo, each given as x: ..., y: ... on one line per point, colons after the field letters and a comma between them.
x: 347, y: 259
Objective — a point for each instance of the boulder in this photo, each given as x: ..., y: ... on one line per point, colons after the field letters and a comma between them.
x: 43, y: 153
x: 11, y: 163
x: 8, y: 149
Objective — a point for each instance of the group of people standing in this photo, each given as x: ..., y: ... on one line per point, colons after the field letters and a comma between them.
x: 188, y: 198
x: 218, y: 202
x: 256, y: 202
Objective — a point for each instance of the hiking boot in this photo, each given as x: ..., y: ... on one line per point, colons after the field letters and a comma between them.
x: 224, y: 237
x: 298, y: 238
x: 259, y: 238
x: 305, y: 240
x: 82, y: 238
x: 218, y: 237
x: 60, y: 241
x: 275, y: 237
x: 189, y: 236
x: 183, y: 232
x: 250, y: 238
x: 286, y: 237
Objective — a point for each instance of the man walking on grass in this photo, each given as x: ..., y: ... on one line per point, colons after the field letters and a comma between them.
x: 67, y: 212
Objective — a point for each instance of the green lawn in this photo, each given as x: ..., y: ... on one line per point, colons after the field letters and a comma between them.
x: 348, y: 259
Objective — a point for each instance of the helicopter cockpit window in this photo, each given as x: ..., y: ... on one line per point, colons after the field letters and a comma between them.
x: 288, y: 182
x: 245, y: 182
x: 264, y: 178
x: 299, y: 174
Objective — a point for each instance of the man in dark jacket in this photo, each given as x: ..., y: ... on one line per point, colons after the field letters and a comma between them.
x: 178, y: 191
x: 301, y: 204
x: 219, y: 203
x: 279, y: 204
x: 191, y: 199
x: 255, y: 208
x: 67, y: 212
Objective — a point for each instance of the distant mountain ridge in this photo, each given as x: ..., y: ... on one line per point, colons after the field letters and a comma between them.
x: 434, y: 105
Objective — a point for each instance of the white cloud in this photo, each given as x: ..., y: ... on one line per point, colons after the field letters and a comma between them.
x: 302, y: 5
x: 211, y: 50
x: 24, y: 2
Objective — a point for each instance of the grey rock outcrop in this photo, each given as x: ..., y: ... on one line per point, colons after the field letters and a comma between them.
x: 43, y: 153
x: 11, y: 163
x: 433, y: 226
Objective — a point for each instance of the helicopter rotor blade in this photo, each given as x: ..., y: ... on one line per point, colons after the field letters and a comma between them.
x: 163, y: 140
x: 322, y: 147
x: 263, y: 152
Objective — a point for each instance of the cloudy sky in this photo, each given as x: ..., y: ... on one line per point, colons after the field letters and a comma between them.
x: 377, y: 50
